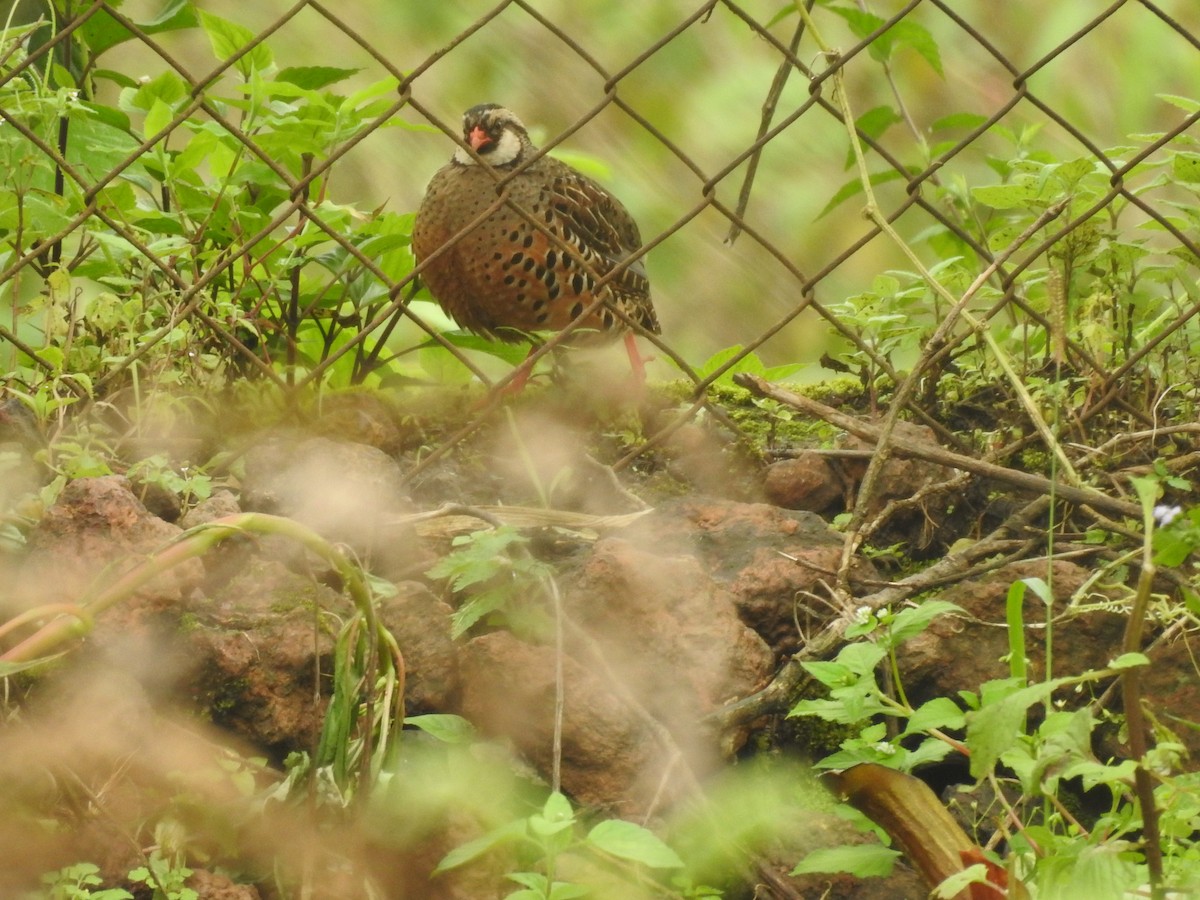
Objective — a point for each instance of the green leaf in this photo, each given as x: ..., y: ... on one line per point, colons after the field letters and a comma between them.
x: 1187, y: 104
x: 481, y: 556
x: 61, y: 77
x: 1014, y: 606
x: 512, y: 353
x: 908, y: 33
x: 940, y: 712
x: 314, y: 77
x: 633, y: 842
x: 931, y: 750
x: 556, y: 813
x: 1186, y: 167
x: 872, y: 124
x: 473, y: 849
x: 1129, y: 661
x: 157, y: 119
x: 538, y: 887
x: 999, y: 725
x: 905, y: 33
x: 168, y: 88
x: 442, y: 366
x: 830, y: 674
x: 748, y: 363
x: 958, y: 884
x: 120, y: 79
x: 861, y: 23
x: 1073, y: 171
x: 912, y: 620
x: 535, y: 881
x: 854, y: 186
x: 372, y: 91
x: 1005, y: 196
x: 480, y: 605
x: 52, y: 355
x: 102, y: 32
x: 228, y: 38
x: 449, y: 729
x: 861, y: 860
x: 11, y: 668
x: 561, y: 890
x: 966, y: 121
x: 1148, y: 491
x: 861, y: 658
x: 1096, y: 871
x: 875, y: 122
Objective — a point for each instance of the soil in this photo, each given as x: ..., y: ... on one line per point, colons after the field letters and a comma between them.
x: 698, y: 572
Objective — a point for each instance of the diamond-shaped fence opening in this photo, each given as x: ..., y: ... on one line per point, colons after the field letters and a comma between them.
x: 1004, y: 140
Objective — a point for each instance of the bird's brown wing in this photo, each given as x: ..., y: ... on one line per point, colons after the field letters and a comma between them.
x: 603, y: 235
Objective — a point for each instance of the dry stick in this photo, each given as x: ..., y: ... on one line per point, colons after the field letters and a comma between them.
x: 908, y: 387
x: 764, y: 125
x: 792, y: 676
x: 918, y: 501
x: 933, y: 453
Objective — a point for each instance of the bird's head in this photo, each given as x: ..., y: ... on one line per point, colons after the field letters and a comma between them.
x: 497, y: 135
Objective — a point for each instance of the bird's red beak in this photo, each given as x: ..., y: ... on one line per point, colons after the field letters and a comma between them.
x: 478, y: 138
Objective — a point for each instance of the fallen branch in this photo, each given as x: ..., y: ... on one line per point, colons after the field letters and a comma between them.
x: 933, y: 453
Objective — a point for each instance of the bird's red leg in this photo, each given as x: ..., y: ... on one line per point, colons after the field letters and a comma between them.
x: 514, y: 387
x: 637, y: 362
x: 521, y: 378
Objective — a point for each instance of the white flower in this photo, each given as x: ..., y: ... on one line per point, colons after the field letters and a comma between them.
x: 1165, y: 515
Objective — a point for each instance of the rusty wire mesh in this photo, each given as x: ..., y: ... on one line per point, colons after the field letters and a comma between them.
x: 767, y: 279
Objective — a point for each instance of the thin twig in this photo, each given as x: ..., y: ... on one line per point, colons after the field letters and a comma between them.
x: 768, y: 114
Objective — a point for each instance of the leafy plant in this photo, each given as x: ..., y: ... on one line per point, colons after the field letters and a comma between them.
x: 547, y: 839
x: 199, y: 268
x: 191, y: 487
x: 495, y: 571
x: 76, y: 882
x: 991, y: 728
x: 165, y: 879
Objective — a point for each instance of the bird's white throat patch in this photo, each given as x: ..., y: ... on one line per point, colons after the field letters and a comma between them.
x: 506, y: 150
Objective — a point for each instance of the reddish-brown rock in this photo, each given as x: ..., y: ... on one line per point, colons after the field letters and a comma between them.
x: 806, y: 481
x: 98, y: 524
x: 654, y: 645
x: 662, y: 621
x: 962, y: 651
x: 608, y: 754
x: 256, y: 645
x: 777, y: 563
x: 347, y: 492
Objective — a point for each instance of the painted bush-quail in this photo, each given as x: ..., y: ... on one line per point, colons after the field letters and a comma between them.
x: 507, y: 276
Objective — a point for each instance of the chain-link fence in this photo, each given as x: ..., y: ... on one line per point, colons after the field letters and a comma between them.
x: 1022, y: 172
